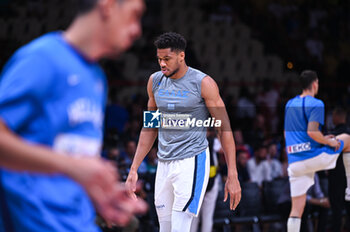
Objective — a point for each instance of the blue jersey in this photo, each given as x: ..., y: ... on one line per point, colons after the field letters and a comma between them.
x: 50, y: 95
x: 299, y: 112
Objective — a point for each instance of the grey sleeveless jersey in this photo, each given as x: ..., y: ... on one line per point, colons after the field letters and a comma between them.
x: 178, y: 98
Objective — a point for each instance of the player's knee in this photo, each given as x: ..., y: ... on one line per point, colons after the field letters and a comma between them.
x: 346, y: 139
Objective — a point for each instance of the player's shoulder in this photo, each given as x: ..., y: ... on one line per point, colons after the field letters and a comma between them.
x: 312, y: 101
x: 31, y: 62
x: 43, y: 45
x: 37, y: 52
x: 196, y: 74
x: 156, y: 76
x: 291, y: 102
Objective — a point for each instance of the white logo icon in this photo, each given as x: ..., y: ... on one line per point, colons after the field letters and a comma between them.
x: 73, y: 80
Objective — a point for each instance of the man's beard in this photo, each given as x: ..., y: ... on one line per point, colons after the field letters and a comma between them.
x: 173, y: 73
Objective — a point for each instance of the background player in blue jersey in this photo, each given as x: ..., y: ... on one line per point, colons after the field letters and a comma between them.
x: 307, y: 148
x: 183, y: 166
x: 52, y: 100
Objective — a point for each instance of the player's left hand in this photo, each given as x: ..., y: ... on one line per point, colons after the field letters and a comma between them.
x: 233, y: 188
x: 335, y: 143
x: 330, y: 136
x: 121, y: 207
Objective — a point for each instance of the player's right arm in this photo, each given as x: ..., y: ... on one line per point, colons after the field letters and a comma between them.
x: 316, y: 134
x: 146, y: 141
x: 315, y: 118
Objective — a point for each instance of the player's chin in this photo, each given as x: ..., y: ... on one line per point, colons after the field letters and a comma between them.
x: 168, y: 73
x: 116, y: 51
x: 120, y: 48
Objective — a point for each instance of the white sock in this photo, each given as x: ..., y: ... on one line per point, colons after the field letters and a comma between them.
x: 293, y: 224
x: 164, y: 226
x: 181, y: 221
x: 346, y: 161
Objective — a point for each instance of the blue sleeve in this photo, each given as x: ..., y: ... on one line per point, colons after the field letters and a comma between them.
x: 316, y: 112
x: 24, y: 84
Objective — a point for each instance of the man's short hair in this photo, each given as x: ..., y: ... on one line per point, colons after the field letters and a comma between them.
x: 84, y: 6
x: 306, y: 78
x: 171, y: 40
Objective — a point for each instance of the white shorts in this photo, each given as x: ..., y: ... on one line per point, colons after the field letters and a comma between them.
x: 181, y: 184
x: 301, y: 173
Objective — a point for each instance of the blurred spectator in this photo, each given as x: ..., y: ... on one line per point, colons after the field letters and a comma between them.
x: 273, y: 165
x: 116, y: 115
x: 315, y: 46
x: 245, y: 105
x: 246, y: 111
x: 316, y: 15
x: 258, y: 170
x: 267, y: 101
x: 239, y: 140
x: 113, y: 154
x: 133, y: 128
x: 336, y: 176
x: 259, y: 132
x: 284, y: 162
x: 128, y: 156
x: 242, y: 169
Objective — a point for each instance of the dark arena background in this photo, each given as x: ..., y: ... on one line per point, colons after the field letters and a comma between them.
x: 255, y: 51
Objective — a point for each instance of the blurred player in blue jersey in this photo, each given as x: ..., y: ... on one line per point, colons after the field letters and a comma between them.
x: 308, y: 149
x: 183, y: 166
x: 52, y: 101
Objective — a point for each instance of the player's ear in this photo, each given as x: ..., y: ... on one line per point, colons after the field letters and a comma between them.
x: 105, y: 8
x: 182, y: 55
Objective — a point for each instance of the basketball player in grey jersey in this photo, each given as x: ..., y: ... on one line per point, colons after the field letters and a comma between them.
x: 183, y: 167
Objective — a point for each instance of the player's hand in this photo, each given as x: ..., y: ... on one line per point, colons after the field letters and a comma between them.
x: 100, y: 180
x: 324, y: 202
x: 96, y: 176
x: 329, y: 136
x: 131, y: 183
x: 334, y: 143
x: 122, y: 207
x: 233, y: 188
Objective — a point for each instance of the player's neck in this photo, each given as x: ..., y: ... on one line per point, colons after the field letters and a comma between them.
x: 82, y: 35
x: 307, y: 93
x: 182, y: 71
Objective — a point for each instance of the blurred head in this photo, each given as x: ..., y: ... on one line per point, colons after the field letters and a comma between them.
x: 130, y: 147
x: 237, y: 134
x: 242, y: 158
x: 309, y: 81
x: 260, y: 152
x: 339, y: 116
x: 211, y: 133
x: 113, y: 153
x: 260, y: 121
x: 170, y: 52
x: 119, y: 21
x: 272, y: 150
